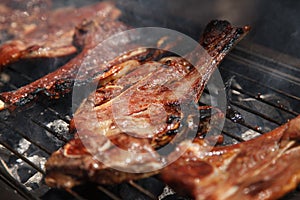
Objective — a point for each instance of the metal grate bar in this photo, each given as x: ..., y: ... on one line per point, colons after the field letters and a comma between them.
x: 244, y: 123
x: 19, y: 188
x: 58, y: 136
x: 17, y: 185
x: 20, y: 74
x: 56, y: 113
x: 108, y: 193
x: 250, y: 127
x: 262, y: 85
x: 265, y: 70
x: 27, y: 138
x: 265, y: 58
x: 280, y: 107
x: 254, y: 112
x: 74, y: 194
x: 238, y: 138
x: 22, y: 157
x: 9, y: 84
x: 143, y: 190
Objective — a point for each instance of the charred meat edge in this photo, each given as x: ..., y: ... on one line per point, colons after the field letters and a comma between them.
x: 60, y: 82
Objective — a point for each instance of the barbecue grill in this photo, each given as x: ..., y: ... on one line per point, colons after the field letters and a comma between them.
x: 262, y: 76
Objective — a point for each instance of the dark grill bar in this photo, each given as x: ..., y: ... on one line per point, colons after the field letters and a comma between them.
x: 264, y: 90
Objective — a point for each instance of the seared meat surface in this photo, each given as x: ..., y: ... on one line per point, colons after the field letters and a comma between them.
x: 86, y: 36
x: 36, y: 31
x: 60, y: 82
x: 120, y: 114
x: 266, y: 167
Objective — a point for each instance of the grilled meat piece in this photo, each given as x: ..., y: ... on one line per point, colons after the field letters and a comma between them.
x: 266, y: 167
x: 60, y: 81
x: 87, y: 35
x: 138, y: 112
x: 39, y: 32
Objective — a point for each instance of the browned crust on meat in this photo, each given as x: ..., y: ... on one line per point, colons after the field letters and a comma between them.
x: 46, y: 33
x: 61, y: 81
x: 266, y: 167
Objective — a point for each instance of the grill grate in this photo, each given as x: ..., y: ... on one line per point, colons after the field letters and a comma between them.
x: 262, y: 102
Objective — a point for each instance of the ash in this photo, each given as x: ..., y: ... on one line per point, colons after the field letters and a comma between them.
x: 38, y: 161
x: 34, y: 182
x: 166, y: 192
x: 23, y: 146
x: 20, y: 170
x: 59, y: 126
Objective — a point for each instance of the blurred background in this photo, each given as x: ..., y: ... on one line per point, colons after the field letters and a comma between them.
x: 275, y: 23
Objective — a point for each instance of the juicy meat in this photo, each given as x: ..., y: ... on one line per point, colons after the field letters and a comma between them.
x: 139, y: 111
x: 86, y: 36
x: 266, y: 167
x: 60, y: 81
x: 36, y: 31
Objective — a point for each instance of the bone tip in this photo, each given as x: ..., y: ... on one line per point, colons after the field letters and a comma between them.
x: 247, y: 28
x: 2, y: 105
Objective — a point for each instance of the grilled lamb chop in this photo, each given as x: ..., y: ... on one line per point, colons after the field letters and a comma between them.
x: 266, y: 167
x: 38, y: 32
x: 104, y: 120
x: 60, y: 82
